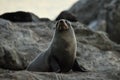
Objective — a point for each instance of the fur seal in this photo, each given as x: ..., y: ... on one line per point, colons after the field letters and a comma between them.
x: 61, y: 54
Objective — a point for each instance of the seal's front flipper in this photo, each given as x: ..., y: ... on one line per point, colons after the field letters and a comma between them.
x: 54, y: 66
x: 77, y: 67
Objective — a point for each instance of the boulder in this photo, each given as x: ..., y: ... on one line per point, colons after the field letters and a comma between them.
x: 113, y: 21
x: 10, y: 59
x: 99, y: 15
x: 87, y: 10
x: 20, y: 16
x: 67, y: 15
x: 18, y: 42
x: 44, y: 19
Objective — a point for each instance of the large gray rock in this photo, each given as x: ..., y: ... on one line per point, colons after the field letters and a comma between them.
x: 25, y: 75
x: 10, y: 59
x: 87, y: 10
x: 66, y: 15
x: 20, y: 43
x: 113, y: 21
x: 99, y: 15
x: 20, y: 16
x: 95, y: 50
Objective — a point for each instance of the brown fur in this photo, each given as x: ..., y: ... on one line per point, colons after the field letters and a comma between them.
x: 61, y: 54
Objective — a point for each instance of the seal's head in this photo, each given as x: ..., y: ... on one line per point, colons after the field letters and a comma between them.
x: 62, y: 25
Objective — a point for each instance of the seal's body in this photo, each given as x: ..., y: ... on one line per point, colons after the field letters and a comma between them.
x: 61, y: 54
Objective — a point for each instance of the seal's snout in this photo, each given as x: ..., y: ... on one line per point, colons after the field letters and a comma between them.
x: 62, y: 21
x: 62, y: 25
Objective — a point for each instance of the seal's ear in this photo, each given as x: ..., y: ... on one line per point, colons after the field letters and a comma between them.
x: 68, y: 22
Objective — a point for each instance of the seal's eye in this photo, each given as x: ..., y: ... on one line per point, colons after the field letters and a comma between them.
x: 68, y: 23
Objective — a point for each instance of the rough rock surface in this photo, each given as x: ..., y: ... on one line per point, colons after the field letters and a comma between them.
x: 113, y: 21
x: 99, y: 15
x: 21, y: 42
x: 87, y: 10
x: 25, y: 75
x: 67, y: 15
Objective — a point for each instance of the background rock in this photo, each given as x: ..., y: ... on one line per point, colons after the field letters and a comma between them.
x: 87, y: 11
x: 20, y: 16
x: 99, y: 15
x: 67, y: 15
x: 113, y: 21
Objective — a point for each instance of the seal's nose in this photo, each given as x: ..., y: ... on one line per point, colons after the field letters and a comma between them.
x: 62, y: 25
x: 61, y: 21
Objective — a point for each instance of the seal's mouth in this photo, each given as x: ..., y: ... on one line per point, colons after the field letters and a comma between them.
x: 62, y: 25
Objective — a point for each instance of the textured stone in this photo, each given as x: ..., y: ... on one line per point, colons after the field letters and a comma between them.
x: 25, y: 75
x: 20, y: 16
x: 67, y: 15
x: 99, y: 15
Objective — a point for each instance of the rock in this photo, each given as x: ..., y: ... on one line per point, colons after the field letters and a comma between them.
x: 10, y: 59
x: 95, y: 50
x: 25, y: 75
x: 67, y: 15
x: 113, y: 21
x: 20, y: 16
x: 97, y: 25
x: 98, y: 39
x: 22, y: 42
x: 99, y: 15
x: 83, y: 11
x: 87, y: 11
x: 91, y: 13
x: 44, y: 19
